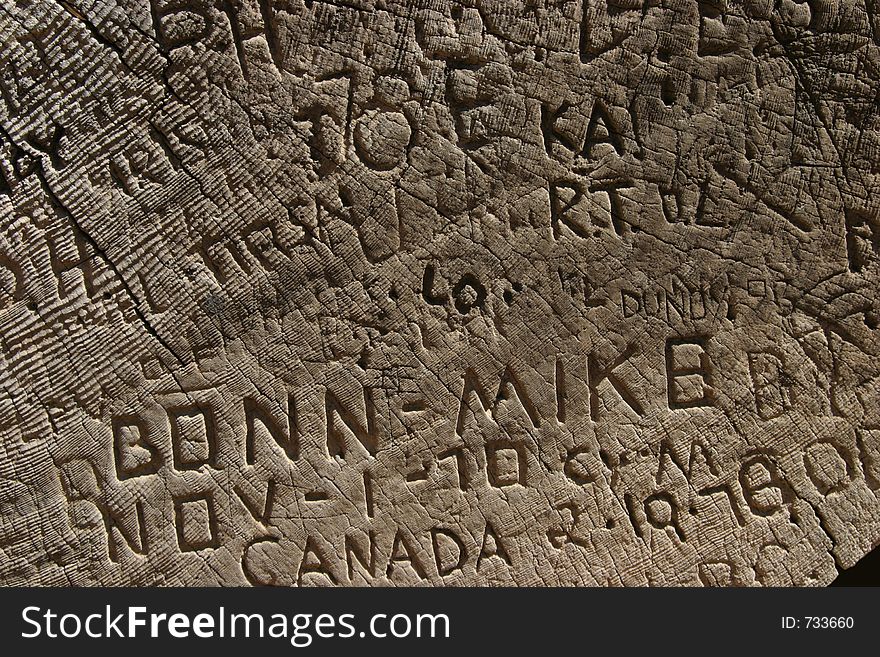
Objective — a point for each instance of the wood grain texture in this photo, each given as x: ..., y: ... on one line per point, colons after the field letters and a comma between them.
x: 485, y: 292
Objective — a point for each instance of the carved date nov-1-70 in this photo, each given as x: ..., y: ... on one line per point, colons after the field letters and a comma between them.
x: 651, y: 499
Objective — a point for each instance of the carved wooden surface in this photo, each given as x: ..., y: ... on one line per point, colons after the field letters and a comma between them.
x: 476, y: 292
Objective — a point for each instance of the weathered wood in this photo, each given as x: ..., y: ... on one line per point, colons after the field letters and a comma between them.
x: 480, y: 292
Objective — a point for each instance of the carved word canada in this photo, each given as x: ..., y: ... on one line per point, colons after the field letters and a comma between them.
x: 756, y: 490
